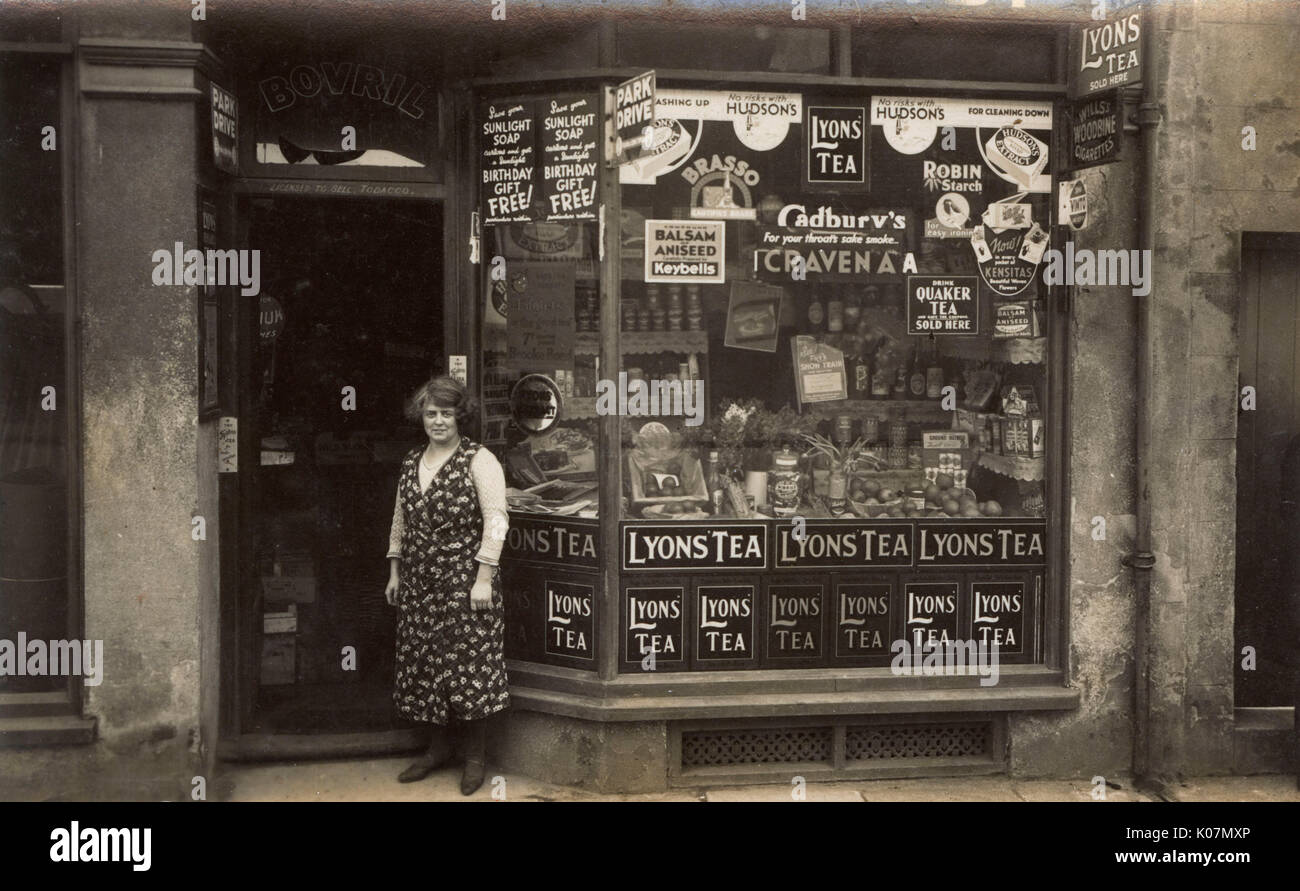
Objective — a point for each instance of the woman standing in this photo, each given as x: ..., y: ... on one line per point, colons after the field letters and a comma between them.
x: 449, y: 524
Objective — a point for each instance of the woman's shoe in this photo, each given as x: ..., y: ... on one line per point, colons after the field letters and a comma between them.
x: 436, y: 755
x: 475, y: 757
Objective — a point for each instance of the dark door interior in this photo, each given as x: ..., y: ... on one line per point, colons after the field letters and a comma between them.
x: 1266, y: 581
x: 357, y: 290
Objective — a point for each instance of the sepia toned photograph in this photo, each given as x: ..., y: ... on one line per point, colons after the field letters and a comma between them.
x: 650, y: 402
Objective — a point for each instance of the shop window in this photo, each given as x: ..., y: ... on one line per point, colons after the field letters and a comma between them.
x: 831, y: 393
x: 36, y: 408
x: 725, y: 48
x: 983, y: 52
x: 542, y: 317
x: 868, y: 335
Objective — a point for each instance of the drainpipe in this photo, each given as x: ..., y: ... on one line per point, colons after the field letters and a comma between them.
x: 1142, y: 560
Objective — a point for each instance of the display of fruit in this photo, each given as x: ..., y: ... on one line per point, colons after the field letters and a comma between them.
x: 932, y: 492
x: 944, y: 481
x: 970, y: 510
x: 951, y: 507
x: 887, y: 495
x: 992, y: 509
x: 871, y: 488
x: 966, y: 501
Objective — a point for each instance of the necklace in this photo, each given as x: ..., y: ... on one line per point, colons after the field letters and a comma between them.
x: 427, y: 466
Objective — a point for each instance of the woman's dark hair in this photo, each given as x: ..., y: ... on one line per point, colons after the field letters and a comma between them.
x: 444, y: 392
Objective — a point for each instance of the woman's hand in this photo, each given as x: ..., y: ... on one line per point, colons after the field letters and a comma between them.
x: 480, y: 596
x: 390, y: 590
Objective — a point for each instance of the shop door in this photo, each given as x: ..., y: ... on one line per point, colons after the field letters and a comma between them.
x: 1267, y: 581
x: 350, y: 323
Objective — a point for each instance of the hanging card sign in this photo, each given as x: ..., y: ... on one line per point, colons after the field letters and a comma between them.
x: 818, y: 371
x: 1105, y: 55
x: 569, y: 132
x: 943, y: 305
x: 508, y: 162
x: 1094, y: 131
x: 835, y: 146
x: 1009, y: 260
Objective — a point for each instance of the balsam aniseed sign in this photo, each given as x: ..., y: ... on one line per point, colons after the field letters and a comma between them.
x: 943, y: 305
x: 688, y: 547
x: 685, y: 251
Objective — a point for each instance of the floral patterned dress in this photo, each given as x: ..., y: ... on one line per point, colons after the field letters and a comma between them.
x: 450, y: 659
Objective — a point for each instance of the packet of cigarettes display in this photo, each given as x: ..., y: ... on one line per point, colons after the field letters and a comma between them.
x: 980, y: 243
x: 1035, y: 245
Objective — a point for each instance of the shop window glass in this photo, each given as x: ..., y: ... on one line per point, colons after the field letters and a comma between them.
x: 984, y: 52
x: 776, y: 286
x: 725, y: 48
x: 35, y: 407
x: 541, y: 322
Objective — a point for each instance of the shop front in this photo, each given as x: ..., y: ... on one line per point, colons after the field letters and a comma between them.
x: 778, y: 386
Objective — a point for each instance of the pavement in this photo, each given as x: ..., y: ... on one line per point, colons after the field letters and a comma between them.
x: 375, y: 779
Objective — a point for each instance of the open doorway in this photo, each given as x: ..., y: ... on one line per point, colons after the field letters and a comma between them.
x: 1268, y: 571
x: 350, y: 323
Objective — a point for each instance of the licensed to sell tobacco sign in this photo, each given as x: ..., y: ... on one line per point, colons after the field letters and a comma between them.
x: 943, y: 304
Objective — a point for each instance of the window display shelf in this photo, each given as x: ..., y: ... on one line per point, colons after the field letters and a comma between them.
x: 883, y: 408
x: 638, y: 342
x: 1014, y: 350
x: 1027, y: 469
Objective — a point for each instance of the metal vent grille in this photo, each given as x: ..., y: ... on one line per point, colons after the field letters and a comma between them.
x: 709, y: 748
x: 917, y: 741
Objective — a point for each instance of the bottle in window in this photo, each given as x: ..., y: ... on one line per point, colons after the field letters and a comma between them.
x: 816, y: 316
x: 835, y: 310
x: 934, y: 372
x: 916, y: 375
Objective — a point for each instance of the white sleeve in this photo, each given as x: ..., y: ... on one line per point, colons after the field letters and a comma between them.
x: 490, y: 481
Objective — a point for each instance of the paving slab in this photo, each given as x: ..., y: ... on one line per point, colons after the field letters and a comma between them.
x: 1269, y: 787
x: 819, y: 792
x: 940, y: 789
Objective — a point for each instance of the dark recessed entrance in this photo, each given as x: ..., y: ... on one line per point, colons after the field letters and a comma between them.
x: 350, y: 322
